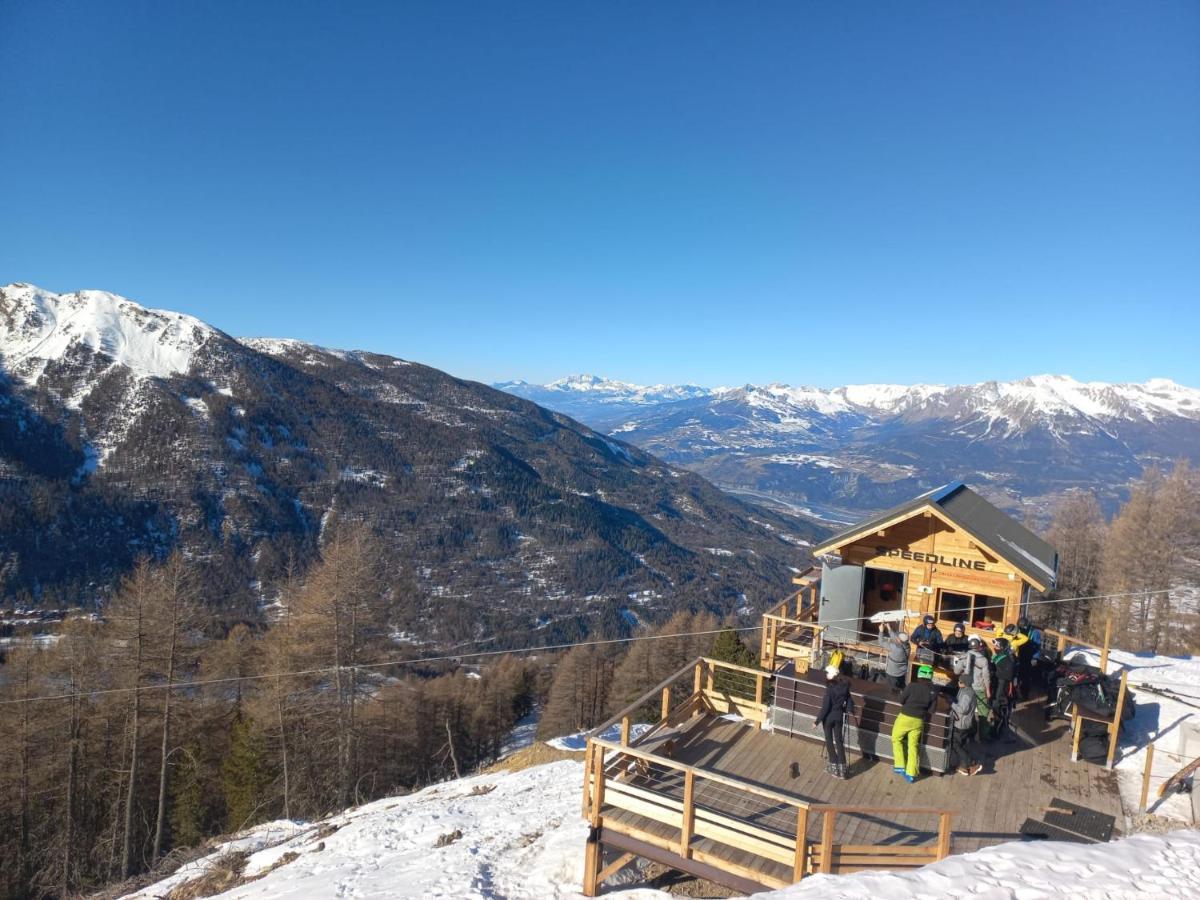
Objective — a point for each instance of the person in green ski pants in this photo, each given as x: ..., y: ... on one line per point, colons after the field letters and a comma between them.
x: 916, y: 701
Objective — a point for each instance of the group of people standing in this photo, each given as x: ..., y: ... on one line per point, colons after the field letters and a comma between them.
x: 988, y: 680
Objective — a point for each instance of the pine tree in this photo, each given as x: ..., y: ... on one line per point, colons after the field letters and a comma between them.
x: 245, y: 778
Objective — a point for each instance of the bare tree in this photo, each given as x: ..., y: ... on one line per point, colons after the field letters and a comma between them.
x: 1077, y: 532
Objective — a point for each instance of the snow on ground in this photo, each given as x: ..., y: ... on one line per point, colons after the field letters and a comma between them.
x: 1141, y: 866
x: 522, y: 837
x: 1157, y: 719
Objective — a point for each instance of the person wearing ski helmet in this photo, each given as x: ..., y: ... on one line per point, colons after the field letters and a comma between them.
x: 957, y: 642
x: 836, y: 705
x: 915, y: 703
x: 1029, y: 655
x: 1005, y: 668
x: 979, y: 674
x: 926, y: 635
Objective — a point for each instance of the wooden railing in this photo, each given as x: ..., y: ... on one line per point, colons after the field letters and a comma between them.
x: 696, y: 804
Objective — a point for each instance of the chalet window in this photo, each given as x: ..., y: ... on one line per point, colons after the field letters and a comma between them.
x: 969, y: 608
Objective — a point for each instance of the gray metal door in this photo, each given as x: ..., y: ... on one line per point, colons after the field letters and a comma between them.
x: 841, y: 601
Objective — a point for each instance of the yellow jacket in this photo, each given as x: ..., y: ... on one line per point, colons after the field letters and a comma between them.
x: 1014, y: 640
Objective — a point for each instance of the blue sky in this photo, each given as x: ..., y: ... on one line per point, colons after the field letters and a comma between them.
x: 717, y: 193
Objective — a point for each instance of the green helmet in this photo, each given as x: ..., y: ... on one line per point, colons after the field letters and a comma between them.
x: 925, y: 672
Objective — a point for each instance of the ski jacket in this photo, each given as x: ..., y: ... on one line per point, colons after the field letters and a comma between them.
x: 918, y: 698
x: 1033, y: 649
x: 1005, y: 667
x: 962, y: 710
x: 978, y: 671
x: 929, y: 636
x: 837, y: 701
x: 956, y: 644
x: 1015, y: 641
x: 897, y: 660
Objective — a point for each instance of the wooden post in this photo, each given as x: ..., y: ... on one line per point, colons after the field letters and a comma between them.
x: 943, y: 848
x: 625, y: 731
x: 827, y: 842
x: 689, y: 814
x: 762, y: 641
x: 587, y: 781
x: 696, y: 681
x: 1077, y: 729
x: 593, y: 854
x: 800, y: 867
x: 1146, y: 778
x: 598, y: 788
x: 1107, y: 638
x: 758, y: 698
x: 709, y: 681
x: 1115, y: 728
x: 666, y: 703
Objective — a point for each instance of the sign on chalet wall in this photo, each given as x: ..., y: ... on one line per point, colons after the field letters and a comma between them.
x: 954, y: 562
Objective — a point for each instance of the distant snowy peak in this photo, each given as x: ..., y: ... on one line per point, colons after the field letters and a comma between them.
x: 604, y: 390
x: 38, y: 326
x: 1039, y: 397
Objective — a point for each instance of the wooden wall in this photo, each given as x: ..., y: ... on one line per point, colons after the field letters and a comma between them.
x: 931, y: 552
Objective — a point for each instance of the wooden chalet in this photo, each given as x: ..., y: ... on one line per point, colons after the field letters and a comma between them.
x: 728, y: 782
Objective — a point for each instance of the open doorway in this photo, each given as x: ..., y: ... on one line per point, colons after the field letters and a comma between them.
x: 883, y: 591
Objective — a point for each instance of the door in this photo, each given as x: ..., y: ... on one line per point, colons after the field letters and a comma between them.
x: 841, y: 601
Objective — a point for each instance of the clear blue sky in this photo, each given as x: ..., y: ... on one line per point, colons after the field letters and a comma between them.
x: 815, y: 193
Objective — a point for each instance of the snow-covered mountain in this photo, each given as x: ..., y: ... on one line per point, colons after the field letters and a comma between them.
x: 588, y: 393
x: 126, y: 430
x: 862, y: 447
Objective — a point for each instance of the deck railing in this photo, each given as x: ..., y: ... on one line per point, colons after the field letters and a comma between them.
x: 637, y: 774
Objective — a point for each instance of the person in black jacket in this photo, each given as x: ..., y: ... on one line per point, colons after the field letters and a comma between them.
x: 1005, y: 667
x: 836, y: 705
x: 926, y: 635
x: 957, y: 642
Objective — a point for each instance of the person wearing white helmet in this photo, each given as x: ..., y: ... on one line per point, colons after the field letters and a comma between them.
x: 835, y: 707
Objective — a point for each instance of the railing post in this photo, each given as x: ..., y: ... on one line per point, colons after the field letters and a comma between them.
x: 1146, y: 778
x: 1107, y: 638
x: 625, y: 731
x: 1077, y: 730
x: 699, y: 675
x: 1115, y: 729
x: 598, y: 790
x: 689, y: 814
x: 758, y: 699
x: 666, y: 703
x: 709, y: 681
x: 827, y: 842
x: 587, y: 781
x: 800, y: 867
x: 943, y: 848
x: 762, y: 640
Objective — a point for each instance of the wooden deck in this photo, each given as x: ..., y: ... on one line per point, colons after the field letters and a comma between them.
x: 727, y: 800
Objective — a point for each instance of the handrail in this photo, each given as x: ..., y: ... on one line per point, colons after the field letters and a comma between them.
x: 643, y: 699
x: 735, y: 667
x: 746, y: 786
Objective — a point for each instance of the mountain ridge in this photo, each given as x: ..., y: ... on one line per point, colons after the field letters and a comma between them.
x: 851, y: 450
x: 126, y: 431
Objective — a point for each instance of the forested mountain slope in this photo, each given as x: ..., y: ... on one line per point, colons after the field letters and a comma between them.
x: 125, y: 430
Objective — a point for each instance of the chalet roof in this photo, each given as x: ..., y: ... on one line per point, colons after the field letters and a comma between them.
x: 992, y: 527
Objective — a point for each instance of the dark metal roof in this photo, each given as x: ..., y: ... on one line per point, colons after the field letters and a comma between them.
x: 1019, y: 546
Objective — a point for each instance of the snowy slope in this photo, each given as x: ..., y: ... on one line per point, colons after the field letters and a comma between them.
x: 522, y: 837
x: 37, y: 326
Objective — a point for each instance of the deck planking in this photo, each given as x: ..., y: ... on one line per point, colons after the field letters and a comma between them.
x: 1017, y: 782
